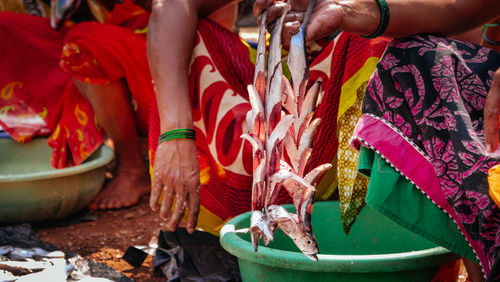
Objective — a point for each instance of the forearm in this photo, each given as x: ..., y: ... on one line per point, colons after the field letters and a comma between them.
x: 408, y: 17
x: 171, y: 37
x: 168, y: 49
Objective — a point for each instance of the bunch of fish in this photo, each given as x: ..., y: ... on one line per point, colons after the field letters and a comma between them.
x: 281, y: 131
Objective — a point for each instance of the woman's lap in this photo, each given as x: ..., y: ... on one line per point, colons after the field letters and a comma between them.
x: 423, y: 113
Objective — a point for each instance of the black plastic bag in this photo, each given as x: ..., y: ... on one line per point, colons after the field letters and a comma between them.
x: 194, y: 257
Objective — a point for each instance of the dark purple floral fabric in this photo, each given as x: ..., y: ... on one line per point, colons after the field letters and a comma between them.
x: 433, y: 90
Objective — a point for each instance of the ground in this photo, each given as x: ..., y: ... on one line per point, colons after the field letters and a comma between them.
x: 106, y: 239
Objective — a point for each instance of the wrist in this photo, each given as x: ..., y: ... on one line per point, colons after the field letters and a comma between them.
x: 179, y: 133
x: 361, y: 17
x: 175, y: 118
x: 491, y: 35
x: 174, y: 108
x: 175, y: 124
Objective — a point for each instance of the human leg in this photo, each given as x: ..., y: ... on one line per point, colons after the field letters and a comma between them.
x: 112, y: 106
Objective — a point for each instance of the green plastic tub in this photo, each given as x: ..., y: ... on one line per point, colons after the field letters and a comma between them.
x: 31, y: 190
x: 375, y: 250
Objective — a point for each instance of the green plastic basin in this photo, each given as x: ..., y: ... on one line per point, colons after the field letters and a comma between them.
x: 375, y: 250
x: 31, y: 190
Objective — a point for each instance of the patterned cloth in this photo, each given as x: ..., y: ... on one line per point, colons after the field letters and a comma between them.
x: 394, y: 196
x: 37, y: 94
x: 220, y: 70
x: 219, y: 73
x: 423, y: 113
x: 351, y: 184
x: 360, y: 59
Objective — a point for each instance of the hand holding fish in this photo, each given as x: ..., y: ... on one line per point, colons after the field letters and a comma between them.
x: 327, y: 17
x: 281, y: 123
x: 176, y: 174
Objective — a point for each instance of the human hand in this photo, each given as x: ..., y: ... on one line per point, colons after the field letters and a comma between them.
x: 176, y: 172
x: 326, y: 18
x: 492, y: 114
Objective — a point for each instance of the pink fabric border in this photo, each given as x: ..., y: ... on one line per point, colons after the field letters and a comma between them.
x: 409, y: 161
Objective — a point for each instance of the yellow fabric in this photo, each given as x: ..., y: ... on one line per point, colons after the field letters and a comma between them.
x: 36, y: 8
x: 494, y: 182
x: 349, y: 90
x: 352, y: 185
x: 209, y: 222
x: 99, y: 12
x: 12, y: 6
x: 328, y: 184
x: 284, y: 55
x: 252, y: 52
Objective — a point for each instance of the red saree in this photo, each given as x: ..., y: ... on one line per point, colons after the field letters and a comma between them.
x: 220, y: 70
x: 38, y: 96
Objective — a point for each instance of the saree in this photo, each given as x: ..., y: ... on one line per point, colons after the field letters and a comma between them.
x: 423, y: 115
x: 38, y: 95
x: 221, y: 68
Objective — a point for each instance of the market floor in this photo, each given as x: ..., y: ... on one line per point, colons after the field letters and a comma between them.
x: 106, y: 239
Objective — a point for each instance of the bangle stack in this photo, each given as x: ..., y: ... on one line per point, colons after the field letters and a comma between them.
x: 492, y: 42
x: 385, y: 16
x: 181, y: 133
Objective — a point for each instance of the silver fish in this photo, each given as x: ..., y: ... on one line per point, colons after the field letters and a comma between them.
x: 292, y: 227
x: 281, y: 124
x: 275, y: 73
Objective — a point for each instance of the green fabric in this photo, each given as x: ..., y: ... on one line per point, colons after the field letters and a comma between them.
x: 394, y: 196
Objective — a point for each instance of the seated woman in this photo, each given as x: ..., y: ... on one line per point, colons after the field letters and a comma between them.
x: 200, y: 73
x: 423, y: 119
x: 108, y: 64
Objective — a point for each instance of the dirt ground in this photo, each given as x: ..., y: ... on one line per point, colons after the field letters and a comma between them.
x: 106, y: 239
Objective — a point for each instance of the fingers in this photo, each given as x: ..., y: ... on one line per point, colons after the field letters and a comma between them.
x: 259, y: 6
x: 166, y: 204
x: 274, y: 11
x: 294, y: 16
x: 289, y: 29
x: 274, y: 8
x: 155, y: 191
x: 193, y: 210
x: 179, y: 209
x: 491, y: 114
x: 325, y: 20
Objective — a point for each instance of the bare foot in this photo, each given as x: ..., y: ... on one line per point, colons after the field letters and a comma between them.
x: 125, y: 189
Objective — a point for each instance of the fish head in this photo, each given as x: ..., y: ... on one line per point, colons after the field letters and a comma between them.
x: 308, y: 245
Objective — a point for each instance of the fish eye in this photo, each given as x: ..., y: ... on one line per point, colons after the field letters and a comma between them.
x: 308, y: 242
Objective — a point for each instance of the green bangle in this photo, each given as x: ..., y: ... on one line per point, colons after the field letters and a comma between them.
x: 181, y: 133
x: 490, y: 41
x: 385, y: 16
